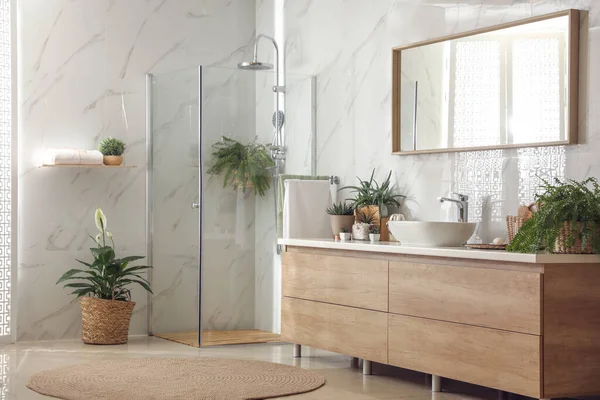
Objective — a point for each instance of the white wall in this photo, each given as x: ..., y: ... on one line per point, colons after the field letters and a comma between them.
x: 348, y: 46
x: 81, y: 78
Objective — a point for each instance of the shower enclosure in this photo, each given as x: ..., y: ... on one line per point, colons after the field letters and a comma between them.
x: 216, y: 271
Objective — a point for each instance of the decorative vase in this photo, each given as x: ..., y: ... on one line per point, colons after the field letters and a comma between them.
x: 345, y: 236
x: 360, y: 231
x: 113, y: 160
x: 374, y: 237
x: 339, y: 222
x: 105, y: 321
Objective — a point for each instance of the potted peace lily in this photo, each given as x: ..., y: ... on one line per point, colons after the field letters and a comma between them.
x: 103, y: 288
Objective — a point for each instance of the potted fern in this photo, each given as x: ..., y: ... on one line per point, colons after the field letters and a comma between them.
x: 342, y: 216
x: 103, y: 289
x: 360, y: 229
x: 243, y: 166
x: 370, y: 197
x: 112, y: 149
x: 567, y: 219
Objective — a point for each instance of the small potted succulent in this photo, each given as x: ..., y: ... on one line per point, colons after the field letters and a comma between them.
x: 345, y: 235
x: 374, y: 233
x: 360, y: 229
x: 341, y: 216
x: 112, y: 149
x: 103, y: 289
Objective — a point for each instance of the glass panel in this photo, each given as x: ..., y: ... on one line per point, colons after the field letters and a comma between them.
x: 174, y: 187
x: 241, y: 277
x: 240, y: 287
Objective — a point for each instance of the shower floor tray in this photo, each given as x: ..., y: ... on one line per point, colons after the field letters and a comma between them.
x: 219, y: 338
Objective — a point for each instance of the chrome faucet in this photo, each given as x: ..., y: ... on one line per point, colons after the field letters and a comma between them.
x: 462, y: 203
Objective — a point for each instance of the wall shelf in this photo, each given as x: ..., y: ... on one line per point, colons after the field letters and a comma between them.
x: 86, y: 166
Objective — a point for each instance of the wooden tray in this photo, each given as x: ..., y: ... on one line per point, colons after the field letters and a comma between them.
x: 486, y: 246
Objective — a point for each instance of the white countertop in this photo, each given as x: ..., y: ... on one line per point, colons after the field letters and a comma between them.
x: 452, y: 252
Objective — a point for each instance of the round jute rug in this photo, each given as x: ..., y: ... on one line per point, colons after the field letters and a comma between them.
x: 175, y: 378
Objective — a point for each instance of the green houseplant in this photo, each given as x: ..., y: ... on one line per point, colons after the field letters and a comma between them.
x: 567, y: 219
x: 364, y: 221
x: 103, y: 288
x: 374, y: 233
x: 341, y: 216
x: 374, y: 197
x: 242, y: 166
x: 112, y: 149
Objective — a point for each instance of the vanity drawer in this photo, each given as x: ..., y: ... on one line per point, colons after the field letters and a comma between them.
x: 502, y: 299
x: 344, y: 330
x: 355, y: 282
x: 498, y: 359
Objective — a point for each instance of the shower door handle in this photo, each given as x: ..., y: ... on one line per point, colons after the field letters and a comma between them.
x: 195, y: 205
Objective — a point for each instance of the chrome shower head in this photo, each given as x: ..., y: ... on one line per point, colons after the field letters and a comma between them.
x: 255, y: 66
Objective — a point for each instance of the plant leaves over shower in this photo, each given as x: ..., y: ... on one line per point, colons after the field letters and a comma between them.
x: 242, y: 166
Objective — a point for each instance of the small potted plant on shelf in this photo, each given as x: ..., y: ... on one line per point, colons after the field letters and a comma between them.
x: 567, y: 220
x: 112, y: 149
x: 360, y: 229
x: 341, y: 216
x: 103, y: 289
x: 243, y: 166
x: 370, y: 197
x: 374, y: 233
x: 345, y: 235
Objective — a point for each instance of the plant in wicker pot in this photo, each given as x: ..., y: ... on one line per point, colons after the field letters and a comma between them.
x: 567, y: 219
x: 112, y: 149
x: 242, y: 166
x: 341, y: 216
x: 103, y: 288
x: 370, y: 197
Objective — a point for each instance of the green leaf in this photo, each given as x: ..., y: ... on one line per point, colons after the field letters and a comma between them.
x: 69, y: 274
x: 104, y: 255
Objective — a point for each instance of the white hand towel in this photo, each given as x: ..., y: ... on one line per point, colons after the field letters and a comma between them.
x: 304, y: 209
x: 73, y: 157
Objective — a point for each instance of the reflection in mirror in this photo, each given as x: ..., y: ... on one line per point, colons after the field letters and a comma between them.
x: 508, y: 87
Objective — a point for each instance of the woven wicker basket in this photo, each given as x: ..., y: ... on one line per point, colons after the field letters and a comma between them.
x: 560, y: 244
x: 513, y: 224
x: 105, y: 321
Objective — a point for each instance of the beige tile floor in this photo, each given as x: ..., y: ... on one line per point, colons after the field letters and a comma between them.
x: 20, y: 361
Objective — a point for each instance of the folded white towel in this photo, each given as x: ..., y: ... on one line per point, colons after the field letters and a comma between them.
x: 73, y: 157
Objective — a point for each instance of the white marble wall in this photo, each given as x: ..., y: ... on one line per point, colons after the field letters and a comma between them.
x: 81, y: 78
x: 347, y: 45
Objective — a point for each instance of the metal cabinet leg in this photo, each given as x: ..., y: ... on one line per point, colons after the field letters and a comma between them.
x: 366, y: 367
x: 297, y: 351
x: 354, y: 362
x: 436, y: 383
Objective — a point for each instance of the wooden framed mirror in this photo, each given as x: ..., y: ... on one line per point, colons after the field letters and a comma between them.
x: 507, y: 86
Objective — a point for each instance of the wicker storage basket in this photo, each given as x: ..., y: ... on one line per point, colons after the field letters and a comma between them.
x: 513, y: 224
x: 105, y: 321
x: 560, y: 245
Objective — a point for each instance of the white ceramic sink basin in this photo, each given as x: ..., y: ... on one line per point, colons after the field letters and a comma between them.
x: 425, y: 233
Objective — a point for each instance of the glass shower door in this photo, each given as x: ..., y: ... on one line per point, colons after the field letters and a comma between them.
x: 173, y: 188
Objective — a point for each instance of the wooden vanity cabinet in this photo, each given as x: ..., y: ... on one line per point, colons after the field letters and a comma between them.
x: 530, y: 329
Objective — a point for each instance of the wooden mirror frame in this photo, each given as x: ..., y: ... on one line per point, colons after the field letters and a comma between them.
x: 572, y: 82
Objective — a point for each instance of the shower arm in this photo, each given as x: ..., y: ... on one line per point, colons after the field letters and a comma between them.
x: 277, y: 143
